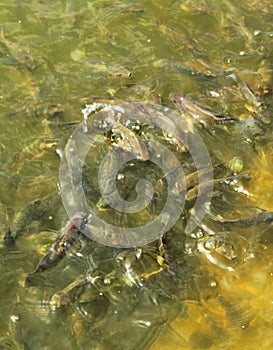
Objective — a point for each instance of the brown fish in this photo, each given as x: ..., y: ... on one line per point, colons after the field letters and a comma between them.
x: 59, y: 249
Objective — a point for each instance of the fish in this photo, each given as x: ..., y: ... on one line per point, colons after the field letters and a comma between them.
x: 254, y: 105
x: 111, y: 69
x: 201, y: 115
x: 130, y: 273
x: 35, y: 150
x: 58, y: 250
x: 70, y: 293
x: 20, y: 54
x: 33, y: 211
x: 130, y: 142
x: 262, y: 217
x: 180, y: 68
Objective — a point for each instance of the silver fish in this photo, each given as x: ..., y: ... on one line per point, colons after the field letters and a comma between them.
x: 201, y: 115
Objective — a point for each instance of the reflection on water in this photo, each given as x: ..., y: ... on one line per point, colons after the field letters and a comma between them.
x: 212, y: 290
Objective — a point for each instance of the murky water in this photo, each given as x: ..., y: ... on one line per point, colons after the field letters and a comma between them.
x: 214, y: 288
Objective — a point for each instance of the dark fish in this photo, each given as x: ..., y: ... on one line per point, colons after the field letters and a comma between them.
x: 33, y: 211
x: 59, y: 249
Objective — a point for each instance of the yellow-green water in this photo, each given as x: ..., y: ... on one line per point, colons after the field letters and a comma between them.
x: 168, y: 46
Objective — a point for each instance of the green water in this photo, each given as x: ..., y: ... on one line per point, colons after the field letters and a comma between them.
x: 81, y: 49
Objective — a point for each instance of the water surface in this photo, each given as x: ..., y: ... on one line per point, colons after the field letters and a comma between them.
x: 88, y: 48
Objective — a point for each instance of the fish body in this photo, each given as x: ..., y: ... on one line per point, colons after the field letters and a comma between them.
x: 201, y: 115
x: 58, y: 250
x: 111, y: 69
x: 20, y: 54
x: 33, y: 211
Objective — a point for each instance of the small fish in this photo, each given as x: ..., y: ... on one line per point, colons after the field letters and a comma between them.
x: 33, y: 211
x: 134, y: 269
x: 114, y: 70
x: 35, y: 150
x: 180, y: 68
x: 21, y: 55
x: 263, y: 217
x: 48, y: 111
x: 201, y: 115
x: 59, y: 249
x: 70, y: 293
x: 119, y: 71
x: 254, y: 105
x: 130, y: 142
